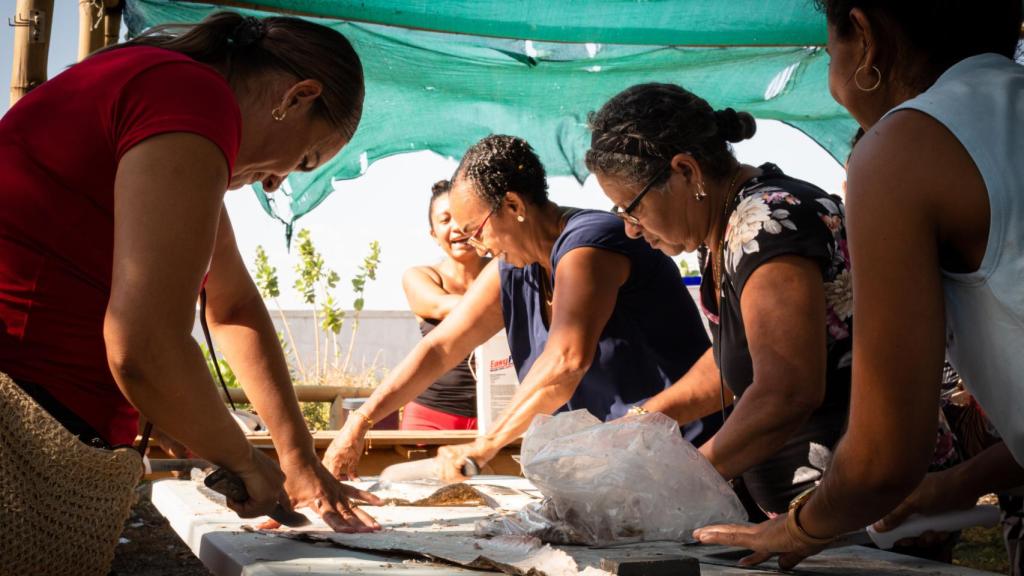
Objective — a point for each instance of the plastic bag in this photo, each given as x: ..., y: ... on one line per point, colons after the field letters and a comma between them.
x: 631, y: 479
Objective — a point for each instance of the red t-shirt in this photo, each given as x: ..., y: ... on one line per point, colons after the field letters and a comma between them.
x: 59, y: 150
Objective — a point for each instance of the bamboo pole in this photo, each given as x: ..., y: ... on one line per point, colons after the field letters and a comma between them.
x: 90, y: 36
x: 32, y: 20
x: 112, y: 21
x: 99, y: 25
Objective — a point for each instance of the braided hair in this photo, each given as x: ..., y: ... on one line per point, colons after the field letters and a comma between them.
x: 499, y: 164
x: 641, y: 128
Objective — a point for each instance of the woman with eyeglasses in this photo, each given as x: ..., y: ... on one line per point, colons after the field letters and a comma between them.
x: 433, y: 291
x: 595, y: 320
x: 776, y: 282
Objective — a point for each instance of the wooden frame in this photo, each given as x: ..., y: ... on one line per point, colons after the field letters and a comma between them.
x: 387, y: 447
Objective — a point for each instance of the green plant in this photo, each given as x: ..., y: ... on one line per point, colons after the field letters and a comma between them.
x: 229, y: 375
x: 316, y: 414
x: 686, y: 271
x: 266, y: 281
x: 367, y: 272
x: 315, y: 283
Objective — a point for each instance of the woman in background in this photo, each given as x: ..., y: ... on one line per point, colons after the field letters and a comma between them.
x: 433, y: 291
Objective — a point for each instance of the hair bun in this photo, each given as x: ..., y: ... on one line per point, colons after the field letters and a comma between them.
x: 440, y: 187
x: 249, y: 31
x: 735, y: 126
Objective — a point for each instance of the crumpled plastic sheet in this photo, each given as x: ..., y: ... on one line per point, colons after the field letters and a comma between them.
x: 632, y: 479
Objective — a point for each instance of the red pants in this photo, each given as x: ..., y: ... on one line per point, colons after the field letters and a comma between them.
x: 419, y: 417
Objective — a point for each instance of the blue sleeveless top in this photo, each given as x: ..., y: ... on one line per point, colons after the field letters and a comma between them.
x: 653, y: 336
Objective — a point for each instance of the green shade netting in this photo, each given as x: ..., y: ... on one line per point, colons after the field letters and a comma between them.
x: 442, y: 91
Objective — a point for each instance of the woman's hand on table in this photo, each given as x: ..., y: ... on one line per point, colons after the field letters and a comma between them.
x: 452, y: 458
x: 342, y: 456
x: 938, y: 492
x: 311, y: 484
x: 767, y: 539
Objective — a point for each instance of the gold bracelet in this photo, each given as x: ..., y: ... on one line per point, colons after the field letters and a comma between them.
x: 793, y: 527
x: 367, y: 419
x: 369, y: 425
x: 637, y: 410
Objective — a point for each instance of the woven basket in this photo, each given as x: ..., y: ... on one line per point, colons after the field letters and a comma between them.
x: 62, y: 504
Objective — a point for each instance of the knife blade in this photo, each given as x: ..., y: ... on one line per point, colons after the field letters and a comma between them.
x: 917, y: 524
x: 226, y: 483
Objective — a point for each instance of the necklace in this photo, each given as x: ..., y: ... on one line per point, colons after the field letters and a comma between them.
x: 718, y: 256
x: 547, y: 291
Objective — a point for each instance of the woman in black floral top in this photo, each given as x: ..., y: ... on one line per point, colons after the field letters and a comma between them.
x: 776, y: 288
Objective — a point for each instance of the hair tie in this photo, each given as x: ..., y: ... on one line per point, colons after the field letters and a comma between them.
x: 249, y: 31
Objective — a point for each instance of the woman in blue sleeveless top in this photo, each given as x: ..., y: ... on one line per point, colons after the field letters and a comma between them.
x: 595, y: 320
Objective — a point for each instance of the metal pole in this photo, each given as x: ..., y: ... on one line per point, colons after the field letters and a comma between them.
x: 31, y: 22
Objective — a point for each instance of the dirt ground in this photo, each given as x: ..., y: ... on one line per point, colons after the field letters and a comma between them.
x: 149, y: 547
x: 153, y: 549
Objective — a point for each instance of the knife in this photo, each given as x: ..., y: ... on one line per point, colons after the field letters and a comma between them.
x: 916, y: 524
x: 226, y: 483
x: 424, y: 469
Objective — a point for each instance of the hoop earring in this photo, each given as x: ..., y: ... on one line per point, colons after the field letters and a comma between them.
x: 277, y: 114
x: 700, y: 194
x: 878, y: 82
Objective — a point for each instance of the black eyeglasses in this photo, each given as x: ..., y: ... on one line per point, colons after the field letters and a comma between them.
x: 624, y: 213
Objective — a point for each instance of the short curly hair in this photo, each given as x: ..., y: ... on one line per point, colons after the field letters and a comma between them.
x: 641, y: 128
x: 499, y: 164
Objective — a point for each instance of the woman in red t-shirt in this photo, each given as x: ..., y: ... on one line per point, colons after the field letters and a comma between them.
x: 112, y: 178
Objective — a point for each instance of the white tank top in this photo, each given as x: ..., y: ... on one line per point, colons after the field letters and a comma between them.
x: 980, y: 100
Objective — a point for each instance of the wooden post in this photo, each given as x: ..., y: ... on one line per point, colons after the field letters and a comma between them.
x: 99, y: 25
x: 112, y: 21
x: 90, y: 36
x: 32, y: 20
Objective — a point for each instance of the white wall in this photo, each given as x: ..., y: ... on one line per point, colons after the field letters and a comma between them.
x: 383, y: 339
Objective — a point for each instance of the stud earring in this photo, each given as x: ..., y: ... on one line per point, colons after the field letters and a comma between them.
x: 277, y: 114
x: 700, y: 194
x: 520, y: 218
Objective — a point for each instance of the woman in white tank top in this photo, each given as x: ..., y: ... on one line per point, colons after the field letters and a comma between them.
x: 935, y: 211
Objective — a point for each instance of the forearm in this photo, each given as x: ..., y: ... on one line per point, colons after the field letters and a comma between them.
x: 993, y: 470
x: 425, y: 364
x: 168, y: 382
x: 862, y: 484
x: 759, y: 426
x: 249, y: 342
x: 550, y: 384
x: 438, y: 307
x: 697, y: 394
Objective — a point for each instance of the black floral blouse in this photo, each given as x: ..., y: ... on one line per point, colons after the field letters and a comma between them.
x: 775, y: 215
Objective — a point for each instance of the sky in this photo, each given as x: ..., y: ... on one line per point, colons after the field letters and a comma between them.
x: 389, y: 202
